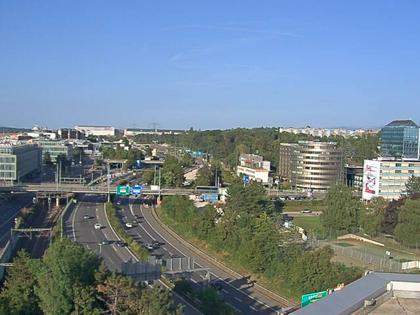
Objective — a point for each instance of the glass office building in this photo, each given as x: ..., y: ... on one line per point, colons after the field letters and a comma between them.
x: 54, y: 149
x: 18, y: 161
x: 400, y: 139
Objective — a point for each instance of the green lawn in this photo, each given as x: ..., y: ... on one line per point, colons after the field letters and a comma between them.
x: 299, y: 205
x: 309, y: 223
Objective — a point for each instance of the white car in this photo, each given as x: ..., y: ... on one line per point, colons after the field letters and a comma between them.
x: 98, y: 226
x: 129, y: 224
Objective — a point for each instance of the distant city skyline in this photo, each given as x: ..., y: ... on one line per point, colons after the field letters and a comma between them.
x: 209, y: 65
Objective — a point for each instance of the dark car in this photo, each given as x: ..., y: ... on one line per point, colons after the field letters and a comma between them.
x: 105, y: 242
x: 121, y: 244
x: 217, y: 284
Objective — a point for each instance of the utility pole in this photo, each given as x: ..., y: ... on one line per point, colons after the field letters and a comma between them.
x: 159, y: 184
x: 108, y: 181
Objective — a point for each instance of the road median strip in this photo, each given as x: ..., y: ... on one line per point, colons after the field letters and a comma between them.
x: 116, y: 227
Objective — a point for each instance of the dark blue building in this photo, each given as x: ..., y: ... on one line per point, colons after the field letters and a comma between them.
x: 400, y: 139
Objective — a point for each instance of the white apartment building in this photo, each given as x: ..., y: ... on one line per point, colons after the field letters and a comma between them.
x: 96, y: 130
x: 255, y: 167
x: 387, y: 178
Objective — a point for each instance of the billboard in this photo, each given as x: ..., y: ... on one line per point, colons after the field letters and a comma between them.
x: 310, y: 298
x: 371, y: 177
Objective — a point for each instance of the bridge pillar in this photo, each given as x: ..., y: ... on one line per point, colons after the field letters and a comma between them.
x: 57, y: 202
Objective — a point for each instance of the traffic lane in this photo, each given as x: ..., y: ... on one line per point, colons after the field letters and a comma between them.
x: 188, y: 309
x: 85, y: 234
x: 141, y: 235
x: 198, y: 279
x: 237, y: 289
x: 239, y: 300
x: 110, y: 235
x: 9, y: 210
x: 89, y: 237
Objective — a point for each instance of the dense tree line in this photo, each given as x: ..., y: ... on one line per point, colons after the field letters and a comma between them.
x: 121, y: 154
x: 346, y: 214
x: 248, y: 230
x: 227, y: 145
x: 71, y: 280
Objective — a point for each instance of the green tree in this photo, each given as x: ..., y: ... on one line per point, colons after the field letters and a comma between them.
x: 63, y: 264
x: 172, y: 172
x: 373, y: 216
x: 204, y: 223
x: 205, y: 177
x: 148, y: 176
x: 314, y: 271
x: 250, y: 199
x: 264, y: 246
x: 157, y: 301
x: 47, y: 158
x: 412, y: 187
x: 407, y: 230
x: 120, y: 293
x: 85, y: 302
x: 342, y: 210
x: 18, y: 290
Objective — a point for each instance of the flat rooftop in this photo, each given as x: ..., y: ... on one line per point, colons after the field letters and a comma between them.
x: 398, y: 306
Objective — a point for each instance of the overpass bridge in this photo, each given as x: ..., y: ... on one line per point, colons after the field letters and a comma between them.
x: 98, y: 189
x: 68, y: 188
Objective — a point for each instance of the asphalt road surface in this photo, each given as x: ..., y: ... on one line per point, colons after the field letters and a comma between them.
x: 236, y: 291
x: 82, y: 230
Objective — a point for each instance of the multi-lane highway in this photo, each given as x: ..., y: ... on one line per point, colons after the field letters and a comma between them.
x: 8, y: 212
x: 79, y: 226
x: 236, y: 290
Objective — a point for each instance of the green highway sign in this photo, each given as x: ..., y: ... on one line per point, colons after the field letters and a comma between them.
x: 123, y: 190
x: 310, y: 298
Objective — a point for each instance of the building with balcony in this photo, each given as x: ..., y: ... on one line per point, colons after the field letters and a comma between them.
x: 311, y: 165
x: 18, y: 161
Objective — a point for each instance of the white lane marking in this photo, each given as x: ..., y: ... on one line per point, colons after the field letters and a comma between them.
x: 73, y: 221
x: 237, y: 299
x: 235, y: 308
x: 225, y: 291
x: 194, y: 281
x: 253, y: 308
x: 116, y: 235
x: 211, y: 273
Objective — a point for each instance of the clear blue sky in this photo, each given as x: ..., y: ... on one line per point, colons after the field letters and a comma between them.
x: 209, y: 64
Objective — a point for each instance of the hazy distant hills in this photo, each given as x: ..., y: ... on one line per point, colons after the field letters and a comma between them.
x: 12, y: 129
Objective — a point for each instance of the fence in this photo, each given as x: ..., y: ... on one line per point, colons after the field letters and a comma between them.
x: 377, y: 263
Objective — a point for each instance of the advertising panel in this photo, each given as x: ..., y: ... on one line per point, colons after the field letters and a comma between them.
x: 371, y: 176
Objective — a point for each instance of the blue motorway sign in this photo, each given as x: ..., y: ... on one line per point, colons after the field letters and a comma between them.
x: 137, y: 164
x: 246, y: 179
x: 137, y: 190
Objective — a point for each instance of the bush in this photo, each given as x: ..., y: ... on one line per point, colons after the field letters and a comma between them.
x: 140, y: 251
